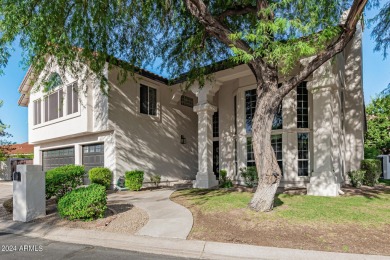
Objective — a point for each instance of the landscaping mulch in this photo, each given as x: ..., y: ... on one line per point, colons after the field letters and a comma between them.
x: 241, y: 225
x: 119, y: 218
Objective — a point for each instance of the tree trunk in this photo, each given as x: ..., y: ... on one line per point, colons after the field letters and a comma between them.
x: 267, y: 167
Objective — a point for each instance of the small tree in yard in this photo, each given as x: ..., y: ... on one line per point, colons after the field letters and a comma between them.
x: 5, y: 145
x: 187, y: 35
x: 378, y: 126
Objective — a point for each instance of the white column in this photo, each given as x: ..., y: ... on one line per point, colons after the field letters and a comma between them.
x: 323, y: 181
x: 205, y: 177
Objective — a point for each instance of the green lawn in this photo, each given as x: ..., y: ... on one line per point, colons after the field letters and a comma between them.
x: 386, y: 182
x: 365, y: 210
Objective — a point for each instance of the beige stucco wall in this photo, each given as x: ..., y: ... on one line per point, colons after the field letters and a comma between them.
x: 152, y: 143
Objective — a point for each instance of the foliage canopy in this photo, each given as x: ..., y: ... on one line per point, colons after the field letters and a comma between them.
x: 144, y: 32
x: 378, y: 124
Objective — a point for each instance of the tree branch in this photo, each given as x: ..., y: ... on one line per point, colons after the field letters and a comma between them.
x: 213, y: 26
x: 348, y: 31
x: 238, y: 10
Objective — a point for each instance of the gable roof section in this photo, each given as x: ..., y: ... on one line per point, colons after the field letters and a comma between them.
x: 25, y: 86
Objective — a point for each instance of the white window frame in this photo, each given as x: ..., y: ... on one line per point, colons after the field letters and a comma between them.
x: 146, y: 83
x: 59, y: 106
x: 72, y: 86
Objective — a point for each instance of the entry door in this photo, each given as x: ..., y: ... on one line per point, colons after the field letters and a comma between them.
x: 216, y: 158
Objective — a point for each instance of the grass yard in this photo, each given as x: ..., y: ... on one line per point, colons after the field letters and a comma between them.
x: 357, y: 222
x: 385, y: 182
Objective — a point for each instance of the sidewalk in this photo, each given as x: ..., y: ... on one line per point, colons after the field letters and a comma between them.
x: 166, y: 218
x: 170, y: 246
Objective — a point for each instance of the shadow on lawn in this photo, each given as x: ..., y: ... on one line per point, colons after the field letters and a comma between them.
x: 366, y: 191
x: 202, y: 196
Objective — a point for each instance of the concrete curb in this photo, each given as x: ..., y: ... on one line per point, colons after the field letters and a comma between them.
x: 170, y: 246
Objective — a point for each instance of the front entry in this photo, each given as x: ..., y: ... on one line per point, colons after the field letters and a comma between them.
x: 216, y: 158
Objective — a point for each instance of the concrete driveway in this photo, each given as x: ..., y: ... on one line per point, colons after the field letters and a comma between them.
x: 5, y: 190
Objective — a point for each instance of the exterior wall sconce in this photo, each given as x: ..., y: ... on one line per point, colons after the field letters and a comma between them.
x: 183, y: 140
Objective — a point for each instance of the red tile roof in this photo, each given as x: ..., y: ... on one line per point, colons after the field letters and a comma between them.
x: 23, y: 148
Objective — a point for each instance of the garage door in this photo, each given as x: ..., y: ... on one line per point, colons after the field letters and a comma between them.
x: 93, y: 156
x: 58, y: 157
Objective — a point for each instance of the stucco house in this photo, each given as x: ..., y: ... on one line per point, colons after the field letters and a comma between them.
x: 189, y: 135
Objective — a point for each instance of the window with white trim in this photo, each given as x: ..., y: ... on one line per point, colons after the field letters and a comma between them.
x: 72, y: 99
x: 250, y: 107
x: 148, y: 100
x: 302, y: 106
x: 250, y: 156
x: 303, y: 154
x: 277, y: 145
x: 37, y: 111
x: 54, y: 105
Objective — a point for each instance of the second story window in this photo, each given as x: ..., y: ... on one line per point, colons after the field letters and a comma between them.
x: 215, y: 124
x: 72, y: 97
x: 250, y: 107
x: 54, y: 105
x: 187, y: 101
x: 302, y: 106
x: 37, y: 112
x: 148, y: 100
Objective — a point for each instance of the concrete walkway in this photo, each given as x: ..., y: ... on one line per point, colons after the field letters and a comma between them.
x: 166, y: 218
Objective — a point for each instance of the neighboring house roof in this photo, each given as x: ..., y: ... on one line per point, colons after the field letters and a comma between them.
x: 24, y: 148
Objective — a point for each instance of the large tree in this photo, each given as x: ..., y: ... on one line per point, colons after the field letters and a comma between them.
x: 271, y: 36
x: 4, y: 141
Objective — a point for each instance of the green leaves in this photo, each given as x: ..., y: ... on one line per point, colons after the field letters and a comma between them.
x: 378, y: 124
x: 85, y: 203
x: 143, y: 32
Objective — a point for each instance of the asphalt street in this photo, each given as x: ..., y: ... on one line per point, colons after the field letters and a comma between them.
x: 21, y: 247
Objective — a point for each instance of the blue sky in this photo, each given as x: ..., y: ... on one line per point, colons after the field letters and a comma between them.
x: 376, y: 76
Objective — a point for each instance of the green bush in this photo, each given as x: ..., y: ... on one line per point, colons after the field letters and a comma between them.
x: 9, y: 205
x: 371, y: 152
x: 224, y: 181
x: 357, y: 178
x: 100, y: 175
x: 250, y: 176
x: 63, y: 179
x: 373, y: 171
x: 134, y: 180
x: 85, y: 203
x: 156, y: 179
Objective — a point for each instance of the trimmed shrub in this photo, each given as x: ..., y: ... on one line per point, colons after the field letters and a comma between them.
x: 224, y: 181
x: 357, y: 178
x: 85, y: 203
x: 64, y: 179
x: 250, y: 176
x: 373, y: 171
x: 9, y: 205
x: 100, y: 175
x: 156, y: 179
x: 134, y: 180
x: 371, y: 152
